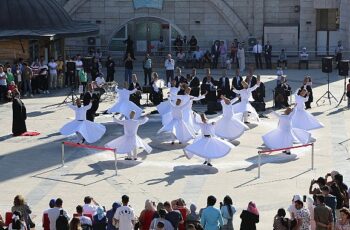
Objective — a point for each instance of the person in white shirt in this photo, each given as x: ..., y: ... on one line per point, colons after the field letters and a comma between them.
x: 90, y: 206
x: 257, y: 50
x: 53, y: 74
x: 124, y: 217
x: 78, y: 65
x: 54, y: 213
x: 304, y: 58
x: 99, y: 84
x: 84, y: 220
x: 3, y: 84
x: 169, y: 68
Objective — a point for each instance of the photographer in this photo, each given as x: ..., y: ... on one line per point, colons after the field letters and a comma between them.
x: 321, y: 182
x: 282, y: 92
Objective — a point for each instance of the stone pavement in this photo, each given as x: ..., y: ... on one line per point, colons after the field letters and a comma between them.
x: 31, y: 165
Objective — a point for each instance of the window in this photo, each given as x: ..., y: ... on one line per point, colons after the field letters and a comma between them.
x: 327, y: 19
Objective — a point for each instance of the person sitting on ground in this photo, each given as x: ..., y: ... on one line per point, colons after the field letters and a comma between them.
x: 90, y: 206
x: 84, y: 220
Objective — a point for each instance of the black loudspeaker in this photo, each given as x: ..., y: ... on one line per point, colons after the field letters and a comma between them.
x: 344, y: 68
x: 327, y: 65
x: 87, y: 63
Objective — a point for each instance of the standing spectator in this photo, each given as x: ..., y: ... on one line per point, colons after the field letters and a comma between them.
x: 193, y: 217
x: 227, y: 211
x: 302, y: 216
x: 268, y: 55
x: 78, y: 66
x: 250, y: 217
x: 3, y: 84
x: 241, y: 58
x: 343, y: 222
x: 84, y: 220
x: 282, y: 58
x: 348, y: 93
x: 9, y: 76
x: 53, y: 73
x: 257, y: 50
x: 124, y: 217
x: 2, y: 223
x: 20, y: 206
x: 110, y: 213
x: 173, y: 216
x: 193, y: 43
x: 215, y: 52
x: 223, y: 54
x: 44, y: 76
x: 147, y: 69
x: 322, y: 214
x: 211, y: 218
x: 18, y: 78
x: 181, y: 207
x: 35, y: 83
x: 17, y: 222
x: 99, y: 219
x: 181, y: 59
x: 94, y: 68
x: 110, y: 65
x: 83, y: 78
x: 147, y: 215
x: 169, y: 68
x: 90, y: 205
x: 75, y: 224
x: 60, y: 72
x: 55, y: 212
x: 27, y: 77
x: 51, y: 205
x: 233, y: 54
x: 339, y: 53
x: 280, y: 222
x: 320, y: 182
x: 129, y: 47
x: 161, y: 222
x: 329, y: 200
x: 71, y: 72
x: 194, y: 83
x: 304, y: 58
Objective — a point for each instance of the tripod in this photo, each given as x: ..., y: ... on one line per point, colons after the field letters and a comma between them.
x: 71, y: 97
x: 344, y: 94
x: 327, y: 94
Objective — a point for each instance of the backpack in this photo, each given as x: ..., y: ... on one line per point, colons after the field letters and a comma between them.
x: 62, y: 222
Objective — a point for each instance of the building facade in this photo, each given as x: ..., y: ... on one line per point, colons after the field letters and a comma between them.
x: 290, y: 24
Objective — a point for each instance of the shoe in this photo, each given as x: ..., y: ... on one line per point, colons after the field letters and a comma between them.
x: 83, y: 141
x: 286, y: 152
x: 210, y: 165
x: 205, y: 162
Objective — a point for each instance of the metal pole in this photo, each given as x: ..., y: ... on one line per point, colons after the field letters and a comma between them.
x: 62, y: 154
x: 115, y: 163
x: 312, y: 156
x: 259, y: 164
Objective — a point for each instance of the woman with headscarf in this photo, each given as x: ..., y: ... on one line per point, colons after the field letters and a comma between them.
x: 17, y: 222
x: 280, y: 222
x: 227, y: 212
x: 250, y: 217
x: 110, y: 213
x: 99, y: 219
x: 193, y: 217
x: 147, y: 215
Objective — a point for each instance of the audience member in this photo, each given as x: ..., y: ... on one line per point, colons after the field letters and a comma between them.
x: 268, y: 55
x: 17, y: 222
x: 241, y: 58
x: 322, y: 214
x: 215, y: 53
x: 302, y: 216
x: 320, y: 182
x: 173, y: 216
x: 161, y: 219
x: 124, y: 216
x: 343, y: 222
x: 193, y: 217
x: 22, y: 207
x: 250, y: 217
x: 147, y: 215
x: 211, y: 218
x: 169, y: 68
x: 55, y: 212
x: 329, y: 200
x: 304, y: 58
x: 282, y: 59
x: 223, y: 54
x: 110, y: 213
x: 75, y: 224
x: 99, y: 219
x: 84, y: 220
x: 227, y: 211
x: 257, y: 50
x: 280, y: 222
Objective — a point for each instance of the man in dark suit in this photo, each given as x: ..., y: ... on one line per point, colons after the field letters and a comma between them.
x: 135, y: 97
x: 194, y: 83
x: 237, y: 82
x: 179, y: 78
x: 215, y: 52
x: 209, y: 86
x: 224, y: 86
x: 250, y: 78
x: 91, y: 97
x: 268, y: 55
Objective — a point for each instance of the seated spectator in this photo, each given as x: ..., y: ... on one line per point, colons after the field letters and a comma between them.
x: 17, y: 222
x: 207, y: 59
x: 250, y: 217
x: 55, y: 212
x: 100, y: 219
x: 161, y: 218
x: 282, y: 92
x: 343, y: 222
x: 193, y: 217
x: 282, y: 59
x: 197, y: 60
x: 193, y: 43
x: 304, y: 58
x: 147, y: 215
x: 280, y: 221
x: 84, y: 220
x: 21, y: 206
x: 110, y: 214
x: 227, y: 211
x: 181, y: 58
x: 90, y: 206
x: 74, y: 224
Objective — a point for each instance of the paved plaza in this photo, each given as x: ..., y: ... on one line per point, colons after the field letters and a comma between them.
x: 32, y: 165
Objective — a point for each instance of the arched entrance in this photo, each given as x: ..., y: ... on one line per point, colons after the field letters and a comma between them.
x: 146, y: 33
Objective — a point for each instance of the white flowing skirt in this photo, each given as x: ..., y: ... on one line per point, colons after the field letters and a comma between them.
x: 91, y: 131
x: 230, y: 128
x: 302, y: 119
x: 179, y: 129
x: 243, y: 107
x: 279, y: 138
x: 189, y: 119
x: 208, y: 148
x: 126, y: 144
x: 125, y: 107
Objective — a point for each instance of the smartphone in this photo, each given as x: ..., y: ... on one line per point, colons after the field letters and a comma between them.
x: 304, y: 198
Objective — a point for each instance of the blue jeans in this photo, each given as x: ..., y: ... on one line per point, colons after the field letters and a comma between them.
x: 127, y: 76
x: 27, y: 86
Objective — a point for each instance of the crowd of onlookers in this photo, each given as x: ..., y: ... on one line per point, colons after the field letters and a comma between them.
x: 326, y: 207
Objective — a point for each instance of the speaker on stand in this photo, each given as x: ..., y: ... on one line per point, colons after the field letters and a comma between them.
x: 327, y: 68
x: 344, y: 72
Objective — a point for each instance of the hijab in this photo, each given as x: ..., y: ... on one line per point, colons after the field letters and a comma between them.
x: 252, y: 208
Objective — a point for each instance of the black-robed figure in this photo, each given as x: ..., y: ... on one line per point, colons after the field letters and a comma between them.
x: 19, y: 115
x: 94, y: 99
x: 135, y: 97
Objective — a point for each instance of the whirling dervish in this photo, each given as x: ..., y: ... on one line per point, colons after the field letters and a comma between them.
x: 130, y: 141
x: 85, y: 130
x: 207, y: 145
x: 229, y: 125
x: 284, y: 135
x: 301, y: 118
x: 244, y: 105
x: 177, y: 126
x: 123, y: 104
